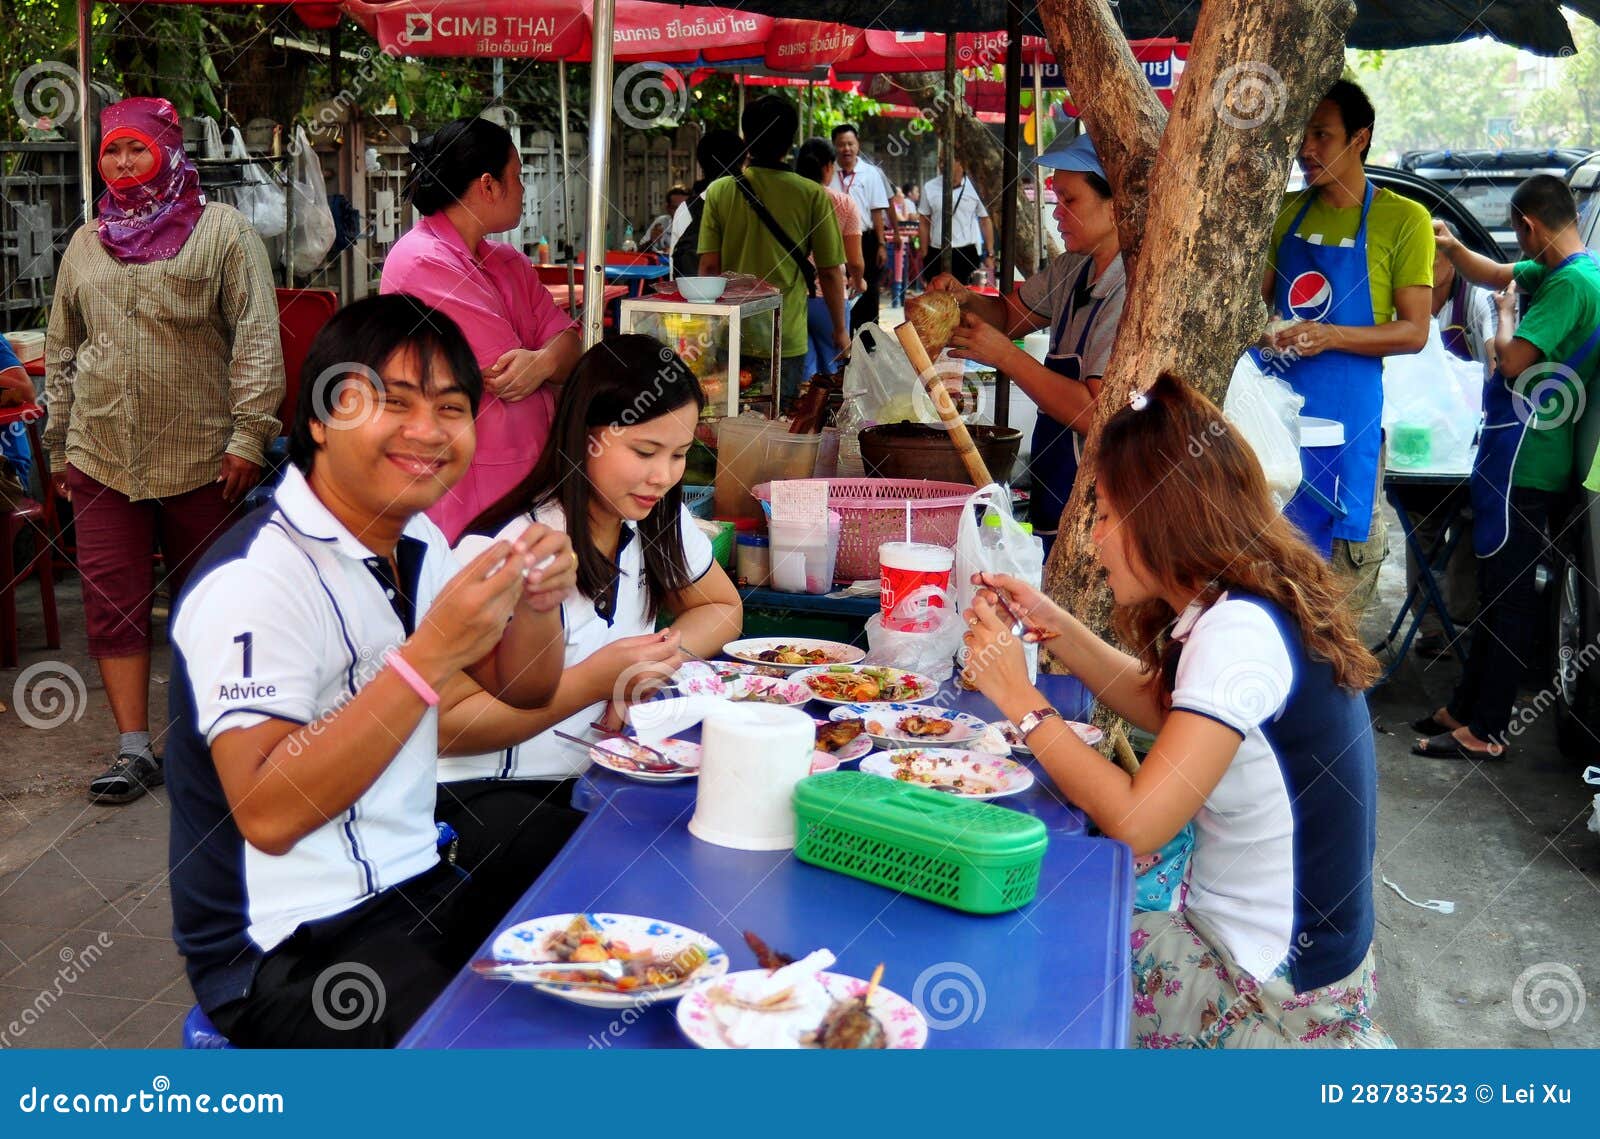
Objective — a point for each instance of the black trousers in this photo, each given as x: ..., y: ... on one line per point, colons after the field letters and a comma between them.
x: 965, y: 260
x: 359, y: 979
x: 1504, y: 632
x: 865, y: 310
x: 507, y: 832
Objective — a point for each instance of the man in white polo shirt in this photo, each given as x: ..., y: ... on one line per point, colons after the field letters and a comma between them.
x: 868, y: 187
x: 971, y: 245
x: 309, y: 647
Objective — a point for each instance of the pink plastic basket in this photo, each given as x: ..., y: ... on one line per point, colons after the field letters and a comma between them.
x: 874, y: 511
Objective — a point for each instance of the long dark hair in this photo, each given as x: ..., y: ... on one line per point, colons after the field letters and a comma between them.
x: 1198, y: 513
x: 450, y: 159
x: 621, y: 382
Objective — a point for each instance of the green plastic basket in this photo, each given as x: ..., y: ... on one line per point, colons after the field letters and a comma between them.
x: 967, y: 855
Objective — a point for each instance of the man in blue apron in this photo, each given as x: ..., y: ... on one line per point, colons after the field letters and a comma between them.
x: 1352, y: 275
x: 1079, y: 298
x: 1523, y: 473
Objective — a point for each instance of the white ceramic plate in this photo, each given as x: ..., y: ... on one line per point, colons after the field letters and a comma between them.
x: 965, y: 774
x: 1088, y: 733
x: 883, y: 717
x: 904, y: 1025
x: 922, y: 687
x: 689, y: 754
x: 525, y: 942
x: 605, y: 754
x: 750, y: 650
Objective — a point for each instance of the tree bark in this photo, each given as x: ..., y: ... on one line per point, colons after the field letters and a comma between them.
x: 981, y: 153
x: 1196, y: 196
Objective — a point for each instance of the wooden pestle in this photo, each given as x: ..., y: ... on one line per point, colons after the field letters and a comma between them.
x: 959, y: 435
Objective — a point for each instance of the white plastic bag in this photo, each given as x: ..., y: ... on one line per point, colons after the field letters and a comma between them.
x: 313, y: 220
x: 1434, y: 398
x: 881, y: 386
x: 999, y: 547
x: 1263, y: 408
x: 261, y: 198
x: 927, y: 651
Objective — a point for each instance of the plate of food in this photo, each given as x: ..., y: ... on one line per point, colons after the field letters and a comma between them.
x: 747, y: 688
x: 799, y: 1004
x: 866, y: 684
x: 845, y: 740
x: 1088, y: 733
x: 624, y: 756
x: 894, y: 723
x: 661, y: 960
x: 792, y: 652
x: 967, y: 774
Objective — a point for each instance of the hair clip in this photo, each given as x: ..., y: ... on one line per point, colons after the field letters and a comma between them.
x: 1138, y: 400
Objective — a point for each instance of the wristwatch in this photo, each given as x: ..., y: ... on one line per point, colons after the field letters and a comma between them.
x: 1032, y: 720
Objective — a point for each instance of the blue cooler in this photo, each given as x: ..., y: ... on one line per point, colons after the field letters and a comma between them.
x: 1315, y: 506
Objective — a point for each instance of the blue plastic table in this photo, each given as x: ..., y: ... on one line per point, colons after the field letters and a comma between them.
x: 1042, y: 799
x: 635, y: 276
x: 1053, y: 974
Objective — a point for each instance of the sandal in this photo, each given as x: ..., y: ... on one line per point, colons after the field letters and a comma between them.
x: 1446, y: 746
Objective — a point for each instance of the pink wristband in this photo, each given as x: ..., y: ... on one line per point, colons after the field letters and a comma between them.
x: 411, y: 676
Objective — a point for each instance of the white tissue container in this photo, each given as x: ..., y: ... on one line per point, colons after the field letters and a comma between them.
x: 753, y: 756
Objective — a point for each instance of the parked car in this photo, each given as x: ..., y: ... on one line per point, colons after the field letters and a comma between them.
x: 1482, y: 180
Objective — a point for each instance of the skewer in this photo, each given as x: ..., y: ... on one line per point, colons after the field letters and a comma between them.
x: 872, y: 985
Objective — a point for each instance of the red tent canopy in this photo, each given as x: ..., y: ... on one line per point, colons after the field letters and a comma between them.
x: 560, y: 29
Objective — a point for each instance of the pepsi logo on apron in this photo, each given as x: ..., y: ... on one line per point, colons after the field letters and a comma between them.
x: 1330, y: 284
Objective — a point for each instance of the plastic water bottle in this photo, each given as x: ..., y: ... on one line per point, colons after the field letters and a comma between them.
x: 628, y: 244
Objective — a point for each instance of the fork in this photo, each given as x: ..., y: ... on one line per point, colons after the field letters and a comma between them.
x: 661, y: 765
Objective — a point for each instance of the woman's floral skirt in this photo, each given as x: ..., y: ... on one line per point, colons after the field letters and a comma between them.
x: 1189, y: 992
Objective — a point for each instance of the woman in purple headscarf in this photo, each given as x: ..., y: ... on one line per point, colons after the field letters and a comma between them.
x: 163, y: 376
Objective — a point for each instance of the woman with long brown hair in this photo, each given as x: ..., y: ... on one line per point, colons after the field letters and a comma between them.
x: 1244, y: 662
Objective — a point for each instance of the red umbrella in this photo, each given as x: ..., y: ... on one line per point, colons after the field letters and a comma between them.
x: 804, y: 45
x: 527, y: 29
x: 560, y: 29
x: 884, y: 52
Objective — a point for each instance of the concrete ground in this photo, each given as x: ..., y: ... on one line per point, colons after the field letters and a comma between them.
x: 86, y: 958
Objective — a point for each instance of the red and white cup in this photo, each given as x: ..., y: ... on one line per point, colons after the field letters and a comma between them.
x: 913, y: 580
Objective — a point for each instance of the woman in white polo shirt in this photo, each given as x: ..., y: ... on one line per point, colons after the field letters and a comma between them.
x: 611, y: 476
x: 1248, y: 668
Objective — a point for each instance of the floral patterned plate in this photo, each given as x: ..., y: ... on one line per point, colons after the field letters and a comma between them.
x: 605, y: 754
x: 885, y: 717
x: 525, y: 942
x: 965, y: 774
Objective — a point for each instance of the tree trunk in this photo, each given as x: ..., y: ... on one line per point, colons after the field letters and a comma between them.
x: 1196, y: 196
x: 982, y: 155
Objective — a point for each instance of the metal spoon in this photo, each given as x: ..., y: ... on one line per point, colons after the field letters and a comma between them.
x: 608, y: 970
x: 660, y: 766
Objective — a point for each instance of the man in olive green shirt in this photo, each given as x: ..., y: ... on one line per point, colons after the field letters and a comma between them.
x: 734, y: 237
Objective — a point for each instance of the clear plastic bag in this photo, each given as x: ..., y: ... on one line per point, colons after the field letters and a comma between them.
x: 314, y: 230
x: 1431, y: 405
x: 261, y: 198
x: 990, y: 540
x: 1591, y: 776
x: 1263, y: 408
x: 928, y: 651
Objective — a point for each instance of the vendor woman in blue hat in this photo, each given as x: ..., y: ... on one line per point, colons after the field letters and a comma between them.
x: 1079, y: 297
x: 1351, y: 281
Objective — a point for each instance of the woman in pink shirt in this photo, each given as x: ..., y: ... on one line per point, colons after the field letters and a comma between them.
x: 466, y: 182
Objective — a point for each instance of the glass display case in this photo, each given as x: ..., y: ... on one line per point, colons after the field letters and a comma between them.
x: 731, y: 345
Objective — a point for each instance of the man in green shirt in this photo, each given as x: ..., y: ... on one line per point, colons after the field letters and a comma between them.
x: 1525, y: 464
x: 799, y: 224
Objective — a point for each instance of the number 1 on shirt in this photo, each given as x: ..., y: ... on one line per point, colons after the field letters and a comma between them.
x: 247, y: 641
